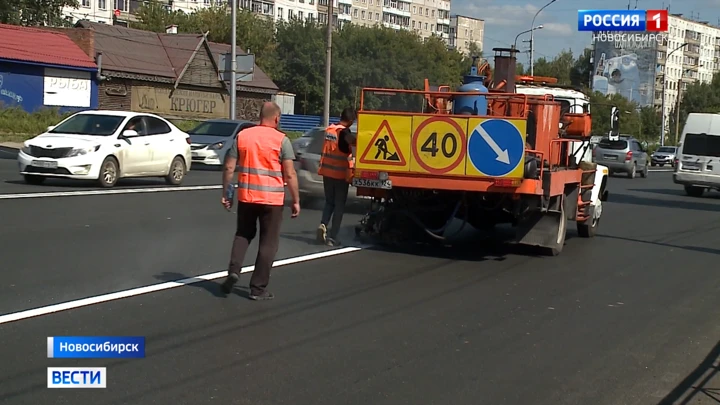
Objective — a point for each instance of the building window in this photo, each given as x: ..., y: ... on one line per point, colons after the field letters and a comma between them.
x: 300, y: 15
x: 102, y: 4
x: 122, y: 5
x: 426, y: 26
x: 85, y: 3
x: 433, y: 13
x: 355, y: 13
x: 420, y: 10
x: 432, y: 27
x: 414, y: 9
x: 426, y: 12
x: 363, y: 15
x: 413, y: 24
x: 323, y: 2
x: 322, y: 18
x: 311, y: 17
x: 279, y: 14
x: 377, y: 16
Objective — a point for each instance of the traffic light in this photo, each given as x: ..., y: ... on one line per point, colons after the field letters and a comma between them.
x: 614, y: 124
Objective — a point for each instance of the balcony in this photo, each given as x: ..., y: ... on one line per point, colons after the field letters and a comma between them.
x: 393, y: 26
x: 395, y: 11
x: 343, y: 17
x: 692, y: 51
x: 692, y: 39
x: 691, y: 66
x: 348, y: 2
x: 443, y: 21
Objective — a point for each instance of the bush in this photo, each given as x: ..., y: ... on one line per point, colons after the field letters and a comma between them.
x: 17, y: 124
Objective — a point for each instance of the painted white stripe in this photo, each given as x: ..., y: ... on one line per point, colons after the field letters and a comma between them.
x: 106, y: 192
x: 30, y: 313
x: 661, y: 170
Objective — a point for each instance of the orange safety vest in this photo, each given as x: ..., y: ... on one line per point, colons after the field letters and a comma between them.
x: 260, y: 177
x: 333, y: 162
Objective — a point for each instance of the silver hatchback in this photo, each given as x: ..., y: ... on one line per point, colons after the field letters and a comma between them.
x: 307, y: 163
x: 624, y: 155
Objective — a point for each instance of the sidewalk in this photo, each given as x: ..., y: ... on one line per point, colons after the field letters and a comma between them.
x: 11, y: 145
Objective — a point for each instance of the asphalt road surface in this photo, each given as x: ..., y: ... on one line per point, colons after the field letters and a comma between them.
x: 630, y: 317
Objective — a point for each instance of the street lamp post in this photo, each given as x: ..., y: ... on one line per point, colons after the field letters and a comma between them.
x: 664, y: 85
x: 539, y: 27
x: 532, y: 38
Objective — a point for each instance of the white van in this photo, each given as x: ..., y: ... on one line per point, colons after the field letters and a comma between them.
x: 698, y: 157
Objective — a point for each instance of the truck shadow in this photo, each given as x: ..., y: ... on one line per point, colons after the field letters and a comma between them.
x: 689, y: 204
x: 697, y: 383
x: 669, y: 245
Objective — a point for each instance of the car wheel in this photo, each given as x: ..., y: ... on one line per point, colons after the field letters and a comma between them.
x: 177, y: 172
x: 633, y: 171
x: 34, y: 179
x: 694, y: 191
x: 109, y: 172
x: 644, y: 173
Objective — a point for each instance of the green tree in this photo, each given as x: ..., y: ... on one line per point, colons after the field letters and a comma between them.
x: 698, y: 97
x: 35, y: 12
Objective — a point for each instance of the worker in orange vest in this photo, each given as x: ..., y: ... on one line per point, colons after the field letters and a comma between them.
x: 264, y: 157
x: 335, y: 168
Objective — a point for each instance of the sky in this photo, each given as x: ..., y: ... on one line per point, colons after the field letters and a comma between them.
x: 505, y: 19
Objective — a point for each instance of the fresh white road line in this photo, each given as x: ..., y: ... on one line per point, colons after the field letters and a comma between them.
x: 50, y: 309
x: 149, y: 189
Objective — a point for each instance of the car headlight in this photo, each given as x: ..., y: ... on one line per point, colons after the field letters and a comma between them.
x: 25, y: 149
x: 82, y: 151
x: 216, y: 146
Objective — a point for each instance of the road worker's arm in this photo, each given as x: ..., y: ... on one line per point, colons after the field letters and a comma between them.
x: 231, y: 158
x: 287, y: 158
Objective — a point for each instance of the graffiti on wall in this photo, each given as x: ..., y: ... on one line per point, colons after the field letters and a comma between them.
x: 13, y: 97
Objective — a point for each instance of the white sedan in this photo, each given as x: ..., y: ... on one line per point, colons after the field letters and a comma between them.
x: 107, y: 146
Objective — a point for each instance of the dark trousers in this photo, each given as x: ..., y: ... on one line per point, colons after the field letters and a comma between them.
x: 270, y: 219
x: 336, y: 193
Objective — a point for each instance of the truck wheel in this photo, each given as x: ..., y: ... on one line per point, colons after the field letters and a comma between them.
x: 559, y: 241
x: 694, y: 191
x: 588, y: 228
x: 632, y: 172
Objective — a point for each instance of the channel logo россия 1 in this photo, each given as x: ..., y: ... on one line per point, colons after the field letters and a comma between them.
x: 623, y: 20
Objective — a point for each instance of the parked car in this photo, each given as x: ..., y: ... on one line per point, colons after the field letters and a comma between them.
x: 211, y: 140
x: 665, y: 155
x: 624, y: 155
x: 107, y: 146
x: 307, y: 164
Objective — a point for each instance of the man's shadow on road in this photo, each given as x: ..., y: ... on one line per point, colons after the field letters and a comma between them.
x: 211, y: 286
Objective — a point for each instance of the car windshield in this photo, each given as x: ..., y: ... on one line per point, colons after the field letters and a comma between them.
x: 614, y: 145
x: 89, y: 124
x: 701, y: 145
x: 215, y: 129
x: 666, y: 149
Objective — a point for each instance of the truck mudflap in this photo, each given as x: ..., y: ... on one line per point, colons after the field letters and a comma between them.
x: 545, y: 229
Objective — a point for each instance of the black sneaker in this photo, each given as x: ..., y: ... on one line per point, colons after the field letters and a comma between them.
x: 332, y: 242
x: 229, y: 282
x: 266, y: 296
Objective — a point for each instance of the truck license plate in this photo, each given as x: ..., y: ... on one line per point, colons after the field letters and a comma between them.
x: 48, y: 164
x: 383, y: 184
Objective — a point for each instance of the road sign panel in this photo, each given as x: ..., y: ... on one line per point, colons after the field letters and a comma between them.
x: 383, y: 142
x: 496, y: 148
x: 439, y: 145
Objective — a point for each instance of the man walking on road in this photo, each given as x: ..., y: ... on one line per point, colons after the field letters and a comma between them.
x: 335, y: 169
x: 264, y: 157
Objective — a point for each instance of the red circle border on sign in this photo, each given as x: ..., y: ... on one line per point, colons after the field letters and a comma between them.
x: 463, y: 145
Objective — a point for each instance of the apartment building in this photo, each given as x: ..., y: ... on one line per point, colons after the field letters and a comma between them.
x: 697, y: 61
x: 465, y: 31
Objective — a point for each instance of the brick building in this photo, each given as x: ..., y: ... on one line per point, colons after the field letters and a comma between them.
x: 172, y: 75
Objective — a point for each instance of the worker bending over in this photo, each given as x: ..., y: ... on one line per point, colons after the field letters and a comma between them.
x: 265, y: 159
x: 335, y: 170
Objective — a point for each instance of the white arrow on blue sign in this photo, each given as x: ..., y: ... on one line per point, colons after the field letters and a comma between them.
x: 496, y: 147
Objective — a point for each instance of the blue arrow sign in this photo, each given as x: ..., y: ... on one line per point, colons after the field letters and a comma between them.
x: 496, y: 147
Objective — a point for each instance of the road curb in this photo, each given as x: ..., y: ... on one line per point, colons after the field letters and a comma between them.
x: 11, y: 145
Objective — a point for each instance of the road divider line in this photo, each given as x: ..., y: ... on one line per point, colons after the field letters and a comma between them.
x: 50, y: 309
x: 107, y: 192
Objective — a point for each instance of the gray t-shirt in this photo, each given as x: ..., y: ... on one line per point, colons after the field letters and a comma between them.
x: 286, y: 150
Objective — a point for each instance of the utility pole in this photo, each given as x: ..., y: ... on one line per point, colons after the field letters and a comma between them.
x: 233, y: 62
x: 532, y: 38
x: 328, y: 68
